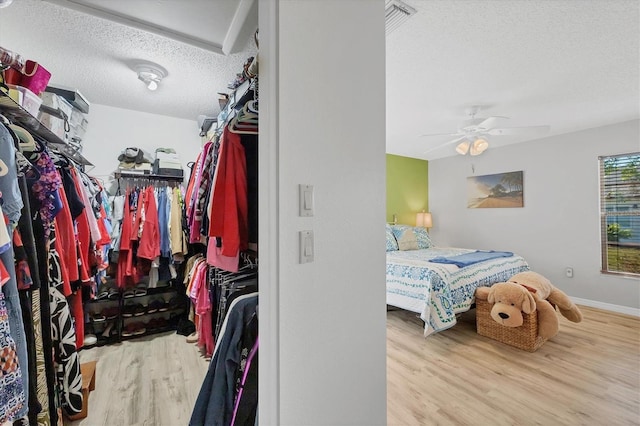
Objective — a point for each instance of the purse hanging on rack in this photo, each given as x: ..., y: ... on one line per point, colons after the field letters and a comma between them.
x: 35, y: 77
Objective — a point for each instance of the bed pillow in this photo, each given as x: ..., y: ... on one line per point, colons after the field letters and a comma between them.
x: 424, y: 240
x: 392, y: 244
x: 417, y: 233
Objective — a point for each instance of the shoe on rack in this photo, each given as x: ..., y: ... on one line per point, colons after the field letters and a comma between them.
x: 140, y: 290
x: 111, y: 312
x: 130, y: 292
x: 108, y: 329
x: 128, y: 330
x: 163, y: 306
x: 90, y: 340
x: 193, y: 337
x: 128, y: 310
x: 139, y: 309
x: 113, y: 293
x: 103, y: 293
x: 97, y: 317
x: 138, y: 328
x: 155, y: 305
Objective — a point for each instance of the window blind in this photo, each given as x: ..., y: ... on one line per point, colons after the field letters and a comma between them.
x: 620, y: 213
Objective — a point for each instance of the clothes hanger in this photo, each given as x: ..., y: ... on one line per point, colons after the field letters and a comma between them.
x: 25, y: 167
x: 252, y: 106
x: 238, y: 128
x: 26, y: 141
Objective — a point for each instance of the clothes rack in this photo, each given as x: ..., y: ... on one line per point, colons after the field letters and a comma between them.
x: 223, y: 281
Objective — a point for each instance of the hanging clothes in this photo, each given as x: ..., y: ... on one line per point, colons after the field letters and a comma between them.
x: 64, y: 334
x: 12, y: 205
x: 215, y: 402
x: 149, y: 246
x: 12, y: 396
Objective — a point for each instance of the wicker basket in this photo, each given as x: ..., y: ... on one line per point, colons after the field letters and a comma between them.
x: 524, y: 337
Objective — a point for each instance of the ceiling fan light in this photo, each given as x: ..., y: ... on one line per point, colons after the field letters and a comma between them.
x: 463, y: 147
x: 150, y: 74
x: 152, y: 85
x: 479, y: 146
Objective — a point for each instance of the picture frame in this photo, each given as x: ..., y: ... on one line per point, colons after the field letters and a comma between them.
x: 500, y: 190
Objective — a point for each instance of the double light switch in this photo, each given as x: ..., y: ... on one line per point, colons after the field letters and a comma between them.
x: 306, y: 210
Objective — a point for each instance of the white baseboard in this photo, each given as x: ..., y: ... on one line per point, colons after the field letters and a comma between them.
x: 607, y: 306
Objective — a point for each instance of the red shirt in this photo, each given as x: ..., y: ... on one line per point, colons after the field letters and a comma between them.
x: 66, y: 235
x: 149, y: 247
x: 228, y: 216
x: 84, y: 234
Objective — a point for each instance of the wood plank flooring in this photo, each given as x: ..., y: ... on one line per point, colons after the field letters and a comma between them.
x: 589, y: 374
x: 151, y: 380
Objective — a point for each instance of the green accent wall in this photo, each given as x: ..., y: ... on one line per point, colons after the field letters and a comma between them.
x: 407, y: 188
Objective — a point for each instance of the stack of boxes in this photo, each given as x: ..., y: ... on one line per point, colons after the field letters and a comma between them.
x: 167, y: 163
x: 63, y: 111
x: 25, y: 98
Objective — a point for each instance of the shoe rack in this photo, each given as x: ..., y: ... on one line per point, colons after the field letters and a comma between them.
x: 121, y: 314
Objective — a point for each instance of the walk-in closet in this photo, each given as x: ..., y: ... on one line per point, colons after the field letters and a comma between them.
x: 129, y: 185
x: 152, y: 87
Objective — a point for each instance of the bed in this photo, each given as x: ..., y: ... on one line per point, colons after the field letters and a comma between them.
x: 438, y: 291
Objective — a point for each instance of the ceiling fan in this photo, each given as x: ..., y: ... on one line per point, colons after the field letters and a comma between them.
x: 473, y: 133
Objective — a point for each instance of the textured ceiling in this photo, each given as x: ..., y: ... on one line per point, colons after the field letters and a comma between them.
x: 568, y: 64
x: 97, y: 56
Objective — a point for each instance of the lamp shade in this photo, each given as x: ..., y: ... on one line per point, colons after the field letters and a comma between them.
x: 423, y: 219
x: 479, y: 146
x: 463, y: 147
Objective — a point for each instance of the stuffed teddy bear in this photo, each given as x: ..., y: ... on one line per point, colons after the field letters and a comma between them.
x: 527, y: 292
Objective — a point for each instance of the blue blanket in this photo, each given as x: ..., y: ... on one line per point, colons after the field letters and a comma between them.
x: 467, y: 259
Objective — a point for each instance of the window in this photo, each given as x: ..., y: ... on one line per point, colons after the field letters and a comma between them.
x: 620, y: 213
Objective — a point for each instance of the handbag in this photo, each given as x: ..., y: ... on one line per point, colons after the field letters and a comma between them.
x: 35, y: 77
x: 12, y: 76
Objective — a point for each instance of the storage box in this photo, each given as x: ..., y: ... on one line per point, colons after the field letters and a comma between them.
x: 73, y: 96
x: 53, y: 123
x: 167, y: 168
x: 57, y: 103
x: 78, y: 119
x: 524, y: 337
x: 28, y: 100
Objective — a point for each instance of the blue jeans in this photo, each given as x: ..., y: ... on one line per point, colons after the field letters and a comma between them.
x: 12, y: 299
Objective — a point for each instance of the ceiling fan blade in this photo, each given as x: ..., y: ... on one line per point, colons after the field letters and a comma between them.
x: 509, y: 131
x: 439, y: 134
x: 451, y: 142
x: 490, y: 123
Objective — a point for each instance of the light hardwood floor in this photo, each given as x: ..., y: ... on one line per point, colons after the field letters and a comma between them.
x: 589, y: 374
x: 151, y: 380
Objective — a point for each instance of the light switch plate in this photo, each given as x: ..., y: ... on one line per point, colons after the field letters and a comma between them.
x: 305, y: 197
x: 306, y: 246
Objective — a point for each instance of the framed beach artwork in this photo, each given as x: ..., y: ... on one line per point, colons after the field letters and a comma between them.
x: 502, y: 190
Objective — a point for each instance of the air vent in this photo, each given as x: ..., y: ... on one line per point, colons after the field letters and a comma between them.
x: 396, y: 13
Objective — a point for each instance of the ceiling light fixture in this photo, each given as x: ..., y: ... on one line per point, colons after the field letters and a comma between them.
x: 463, y: 147
x: 151, y: 74
x: 479, y: 146
x: 395, y: 14
x: 476, y: 148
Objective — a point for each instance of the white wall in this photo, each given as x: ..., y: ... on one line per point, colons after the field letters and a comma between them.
x: 112, y: 129
x: 559, y: 225
x: 330, y: 79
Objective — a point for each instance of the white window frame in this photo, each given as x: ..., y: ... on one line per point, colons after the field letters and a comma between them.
x: 610, y: 209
